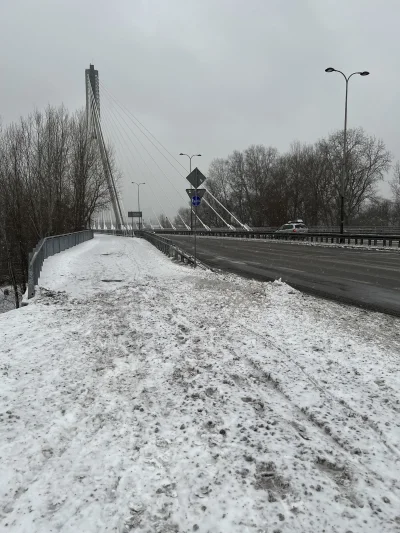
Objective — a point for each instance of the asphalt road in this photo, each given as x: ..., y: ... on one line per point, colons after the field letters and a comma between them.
x: 366, y: 278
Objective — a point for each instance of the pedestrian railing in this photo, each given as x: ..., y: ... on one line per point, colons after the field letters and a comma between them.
x: 50, y: 246
x: 119, y: 232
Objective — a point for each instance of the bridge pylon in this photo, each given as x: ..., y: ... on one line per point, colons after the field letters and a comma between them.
x: 94, y: 128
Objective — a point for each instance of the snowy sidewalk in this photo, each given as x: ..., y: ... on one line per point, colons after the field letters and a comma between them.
x: 139, y: 395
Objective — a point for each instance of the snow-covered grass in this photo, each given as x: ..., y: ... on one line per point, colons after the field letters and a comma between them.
x: 173, y: 400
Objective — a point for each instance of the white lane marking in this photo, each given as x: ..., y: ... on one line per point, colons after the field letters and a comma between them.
x: 291, y: 269
x: 254, y: 263
x: 231, y: 260
x: 358, y: 281
x: 274, y: 267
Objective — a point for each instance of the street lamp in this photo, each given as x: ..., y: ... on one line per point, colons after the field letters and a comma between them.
x: 138, y: 196
x: 190, y: 170
x: 344, y: 171
x: 190, y: 158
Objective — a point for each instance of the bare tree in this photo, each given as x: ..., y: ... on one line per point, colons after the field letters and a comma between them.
x: 395, y: 187
x: 52, y: 181
x: 265, y: 188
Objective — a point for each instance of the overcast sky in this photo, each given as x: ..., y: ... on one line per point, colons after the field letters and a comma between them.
x: 207, y: 76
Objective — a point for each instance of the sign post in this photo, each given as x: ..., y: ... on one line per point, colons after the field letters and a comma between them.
x: 195, y: 178
x: 195, y: 201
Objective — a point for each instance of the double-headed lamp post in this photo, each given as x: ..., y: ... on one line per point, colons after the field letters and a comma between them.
x: 138, y: 197
x: 190, y: 170
x: 344, y: 169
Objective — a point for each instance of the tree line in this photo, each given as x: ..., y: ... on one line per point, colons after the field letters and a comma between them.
x: 51, y: 182
x: 265, y: 188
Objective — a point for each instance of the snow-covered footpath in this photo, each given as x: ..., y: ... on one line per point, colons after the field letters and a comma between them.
x: 139, y: 395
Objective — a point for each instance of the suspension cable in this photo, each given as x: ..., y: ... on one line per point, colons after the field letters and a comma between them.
x: 120, y: 129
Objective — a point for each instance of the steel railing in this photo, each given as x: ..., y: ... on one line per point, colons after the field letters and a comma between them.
x: 365, y: 230
x: 323, y: 237
x: 119, y: 232
x: 50, y: 246
x: 169, y: 248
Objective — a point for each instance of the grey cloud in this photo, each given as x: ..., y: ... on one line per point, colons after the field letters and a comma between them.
x: 208, y: 76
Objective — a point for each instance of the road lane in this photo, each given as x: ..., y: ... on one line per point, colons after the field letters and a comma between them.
x: 368, y: 278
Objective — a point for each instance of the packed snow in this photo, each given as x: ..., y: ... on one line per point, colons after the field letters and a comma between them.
x: 140, y: 395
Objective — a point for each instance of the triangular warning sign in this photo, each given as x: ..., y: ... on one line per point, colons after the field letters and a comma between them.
x: 195, y: 192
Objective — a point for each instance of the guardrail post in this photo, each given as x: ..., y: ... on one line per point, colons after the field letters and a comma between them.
x: 31, y: 282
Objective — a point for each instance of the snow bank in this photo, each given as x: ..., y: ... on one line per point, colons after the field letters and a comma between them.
x: 140, y: 395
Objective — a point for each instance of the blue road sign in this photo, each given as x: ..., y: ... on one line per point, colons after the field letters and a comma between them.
x: 196, y: 200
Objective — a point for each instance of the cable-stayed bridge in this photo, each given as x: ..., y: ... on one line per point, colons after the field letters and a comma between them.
x: 124, y: 139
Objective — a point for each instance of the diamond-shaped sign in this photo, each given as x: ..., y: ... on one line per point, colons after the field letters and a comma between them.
x: 196, y: 178
x: 195, y: 192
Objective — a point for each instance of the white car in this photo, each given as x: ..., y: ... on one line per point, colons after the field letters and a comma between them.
x: 294, y: 226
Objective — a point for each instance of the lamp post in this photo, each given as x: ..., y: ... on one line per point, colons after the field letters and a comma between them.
x: 138, y: 197
x: 344, y: 169
x: 190, y: 170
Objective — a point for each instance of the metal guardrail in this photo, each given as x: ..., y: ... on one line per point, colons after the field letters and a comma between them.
x: 369, y: 230
x: 168, y: 247
x: 349, y: 230
x: 332, y: 238
x: 50, y: 246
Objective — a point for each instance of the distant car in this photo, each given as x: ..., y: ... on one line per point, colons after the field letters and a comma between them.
x: 294, y: 226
